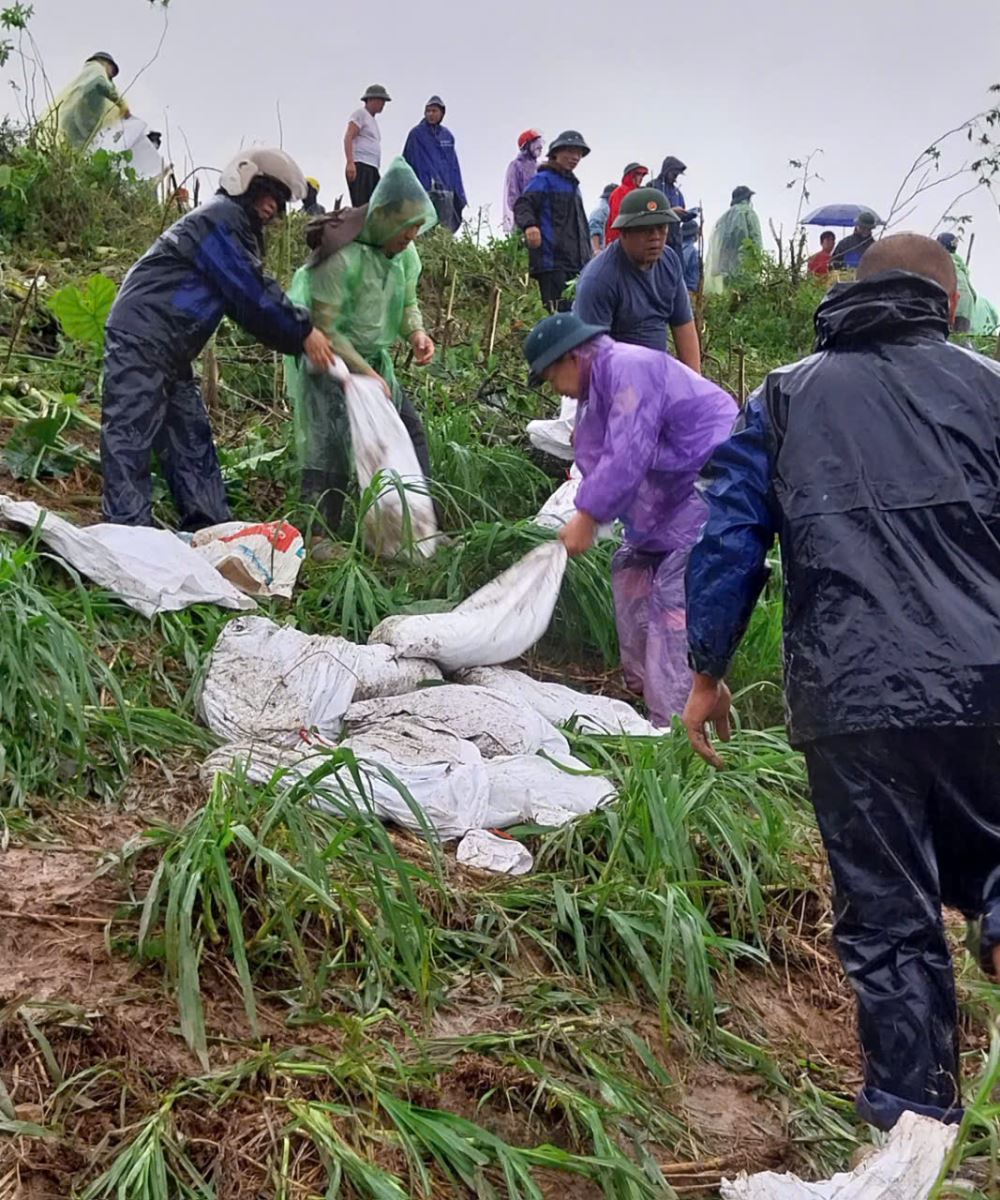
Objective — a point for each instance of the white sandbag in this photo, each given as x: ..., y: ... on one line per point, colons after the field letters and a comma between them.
x: 260, y: 559
x: 152, y: 570
x: 496, y: 723
x: 499, y: 622
x: 490, y: 852
x: 556, y: 437
x: 271, y: 682
x: 129, y: 133
x: 382, y: 447
x: 905, y: 1168
x: 560, y: 704
x: 561, y: 506
x: 443, y: 775
x: 543, y: 791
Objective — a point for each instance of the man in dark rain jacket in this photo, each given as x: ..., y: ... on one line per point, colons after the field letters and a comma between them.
x: 430, y: 151
x: 204, y: 267
x: 550, y: 212
x: 874, y: 462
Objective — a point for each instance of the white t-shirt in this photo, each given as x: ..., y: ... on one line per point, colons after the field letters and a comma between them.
x: 368, y: 143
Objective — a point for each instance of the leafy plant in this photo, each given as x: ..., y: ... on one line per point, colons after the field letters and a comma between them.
x: 83, y: 312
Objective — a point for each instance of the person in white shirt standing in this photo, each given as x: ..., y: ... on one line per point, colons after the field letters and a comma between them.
x: 363, y: 145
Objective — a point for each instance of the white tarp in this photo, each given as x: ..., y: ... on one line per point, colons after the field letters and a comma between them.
x: 905, y: 1168
x: 152, y: 570
x: 560, y: 704
x: 556, y: 437
x: 494, y: 625
x: 495, y: 722
x: 271, y: 682
x: 129, y: 133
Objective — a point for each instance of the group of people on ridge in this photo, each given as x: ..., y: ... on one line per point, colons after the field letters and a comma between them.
x: 871, y: 462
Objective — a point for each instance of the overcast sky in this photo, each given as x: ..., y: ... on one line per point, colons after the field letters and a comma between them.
x: 736, y: 90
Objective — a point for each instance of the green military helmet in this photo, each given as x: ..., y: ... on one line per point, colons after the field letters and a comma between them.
x: 645, y: 206
x: 376, y: 91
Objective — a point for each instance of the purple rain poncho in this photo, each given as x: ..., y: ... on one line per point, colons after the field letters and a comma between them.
x: 520, y: 172
x: 646, y: 426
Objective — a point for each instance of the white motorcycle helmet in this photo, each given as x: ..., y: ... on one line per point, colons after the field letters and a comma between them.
x: 252, y: 164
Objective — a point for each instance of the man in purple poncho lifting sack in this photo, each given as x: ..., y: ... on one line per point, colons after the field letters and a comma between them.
x: 646, y: 425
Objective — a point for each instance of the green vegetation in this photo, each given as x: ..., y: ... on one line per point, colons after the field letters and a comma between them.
x: 292, y: 1001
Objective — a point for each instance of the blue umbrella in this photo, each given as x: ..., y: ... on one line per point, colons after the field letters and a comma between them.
x: 839, y: 214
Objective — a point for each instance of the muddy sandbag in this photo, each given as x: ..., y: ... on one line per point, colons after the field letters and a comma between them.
x: 905, y: 1168
x: 543, y: 790
x: 486, y: 851
x: 501, y: 621
x: 414, y: 775
x: 271, y: 682
x: 496, y: 723
x: 560, y: 704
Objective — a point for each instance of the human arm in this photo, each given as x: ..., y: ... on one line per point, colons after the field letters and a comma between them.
x: 413, y: 320
x: 596, y: 296
x: 728, y: 565
x: 329, y: 287
x: 687, y: 346
x: 753, y: 229
x: 352, y: 131
x: 527, y: 214
x: 251, y: 298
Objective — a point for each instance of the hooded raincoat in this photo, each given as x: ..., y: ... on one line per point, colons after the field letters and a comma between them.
x: 84, y: 107
x: 205, y: 266
x: 628, y: 184
x: 737, y: 225
x: 364, y: 301
x: 966, y: 293
x: 430, y: 151
x: 874, y: 462
x: 645, y: 427
x: 520, y: 172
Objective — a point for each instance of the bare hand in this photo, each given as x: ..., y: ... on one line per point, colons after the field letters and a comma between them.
x: 578, y: 534
x: 423, y: 347
x: 318, y: 350
x: 533, y: 236
x: 351, y: 172
x: 382, y: 384
x: 710, y: 702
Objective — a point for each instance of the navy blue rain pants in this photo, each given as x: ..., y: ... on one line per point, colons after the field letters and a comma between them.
x: 910, y: 821
x: 151, y: 403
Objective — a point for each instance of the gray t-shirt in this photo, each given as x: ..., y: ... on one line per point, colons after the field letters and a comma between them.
x: 637, y: 306
x: 368, y: 143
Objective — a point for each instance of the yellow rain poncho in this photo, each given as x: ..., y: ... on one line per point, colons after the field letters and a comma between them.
x: 84, y: 107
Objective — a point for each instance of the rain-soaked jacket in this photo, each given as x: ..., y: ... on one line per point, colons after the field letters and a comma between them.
x: 738, y: 225
x: 84, y: 107
x: 874, y: 461
x: 552, y: 201
x: 204, y: 267
x: 520, y: 172
x: 628, y: 184
x: 645, y: 427
x: 430, y: 151
x: 966, y: 309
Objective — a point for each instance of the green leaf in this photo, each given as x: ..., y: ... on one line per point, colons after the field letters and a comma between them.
x: 6, y: 175
x: 84, y: 314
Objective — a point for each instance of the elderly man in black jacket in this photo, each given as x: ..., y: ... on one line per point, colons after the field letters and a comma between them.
x: 875, y: 463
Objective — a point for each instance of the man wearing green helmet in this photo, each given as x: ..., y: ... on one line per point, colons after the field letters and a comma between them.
x: 363, y: 145
x: 636, y: 288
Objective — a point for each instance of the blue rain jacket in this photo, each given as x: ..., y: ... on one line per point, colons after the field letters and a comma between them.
x: 430, y: 151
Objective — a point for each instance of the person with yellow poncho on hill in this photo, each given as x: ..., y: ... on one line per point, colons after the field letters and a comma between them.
x: 87, y: 105
x: 363, y: 295
x: 738, y: 225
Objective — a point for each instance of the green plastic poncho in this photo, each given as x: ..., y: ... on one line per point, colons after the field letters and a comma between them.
x: 966, y: 292
x: 985, y: 318
x: 365, y: 300
x: 84, y: 107
x: 737, y: 225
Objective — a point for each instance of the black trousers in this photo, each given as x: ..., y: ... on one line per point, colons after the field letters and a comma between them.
x: 151, y: 403
x: 551, y: 285
x: 325, y: 487
x: 910, y: 821
x: 364, y: 184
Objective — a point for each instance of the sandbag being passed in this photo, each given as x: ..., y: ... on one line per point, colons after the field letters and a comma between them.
x: 402, y: 513
x: 501, y: 621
